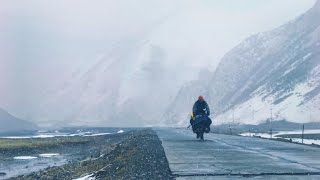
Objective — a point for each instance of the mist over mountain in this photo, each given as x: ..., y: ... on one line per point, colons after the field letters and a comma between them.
x: 275, y: 73
x: 122, y: 84
x: 9, y: 123
x: 122, y: 64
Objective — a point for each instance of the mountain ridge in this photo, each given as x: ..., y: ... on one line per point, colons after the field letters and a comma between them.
x: 277, y: 69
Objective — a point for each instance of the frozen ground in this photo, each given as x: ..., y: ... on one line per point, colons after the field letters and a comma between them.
x: 233, y: 157
x: 298, y: 140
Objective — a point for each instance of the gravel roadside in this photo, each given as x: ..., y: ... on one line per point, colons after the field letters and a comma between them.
x: 139, y: 155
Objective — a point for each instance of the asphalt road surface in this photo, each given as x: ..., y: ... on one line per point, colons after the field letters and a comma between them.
x: 234, y: 157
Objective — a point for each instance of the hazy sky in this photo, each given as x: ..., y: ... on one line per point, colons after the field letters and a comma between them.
x: 41, y: 40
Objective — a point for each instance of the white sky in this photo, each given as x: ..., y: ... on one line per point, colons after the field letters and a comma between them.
x: 40, y: 40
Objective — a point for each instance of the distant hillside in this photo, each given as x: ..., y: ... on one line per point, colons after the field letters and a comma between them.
x: 264, y: 127
x: 278, y: 70
x: 9, y: 123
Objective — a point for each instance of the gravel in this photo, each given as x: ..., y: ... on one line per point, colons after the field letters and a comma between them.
x: 140, y: 157
x: 137, y: 154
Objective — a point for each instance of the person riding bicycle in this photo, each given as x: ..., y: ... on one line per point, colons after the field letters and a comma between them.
x: 200, y: 114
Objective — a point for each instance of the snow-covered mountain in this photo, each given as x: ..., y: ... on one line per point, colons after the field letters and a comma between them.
x: 275, y: 72
x: 9, y: 123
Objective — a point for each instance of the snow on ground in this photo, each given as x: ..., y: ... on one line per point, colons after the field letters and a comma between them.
x: 294, y: 108
x: 44, y: 136
x: 88, y: 177
x: 48, y: 155
x: 98, y: 134
x: 121, y: 131
x: 266, y: 135
x: 253, y: 111
x: 307, y: 141
x: 298, y: 140
x: 24, y: 157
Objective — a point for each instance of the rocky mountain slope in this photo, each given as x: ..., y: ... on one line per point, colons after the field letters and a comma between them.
x: 272, y: 74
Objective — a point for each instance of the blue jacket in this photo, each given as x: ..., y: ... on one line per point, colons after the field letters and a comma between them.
x: 200, y: 108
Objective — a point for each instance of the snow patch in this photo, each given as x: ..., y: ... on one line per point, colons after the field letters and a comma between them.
x: 298, y: 140
x: 257, y: 110
x: 24, y: 157
x: 98, y: 134
x: 48, y: 155
x: 88, y: 177
x: 307, y: 56
x: 121, y: 131
x: 44, y: 136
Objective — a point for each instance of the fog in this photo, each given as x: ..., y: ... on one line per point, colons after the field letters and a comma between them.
x: 46, y: 46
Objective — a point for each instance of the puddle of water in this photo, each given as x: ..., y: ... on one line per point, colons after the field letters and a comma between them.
x: 52, y: 135
x: 25, y: 164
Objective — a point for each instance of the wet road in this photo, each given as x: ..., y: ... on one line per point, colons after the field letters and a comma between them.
x: 234, y: 157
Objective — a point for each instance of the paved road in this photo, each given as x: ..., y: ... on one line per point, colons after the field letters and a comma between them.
x: 234, y: 157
